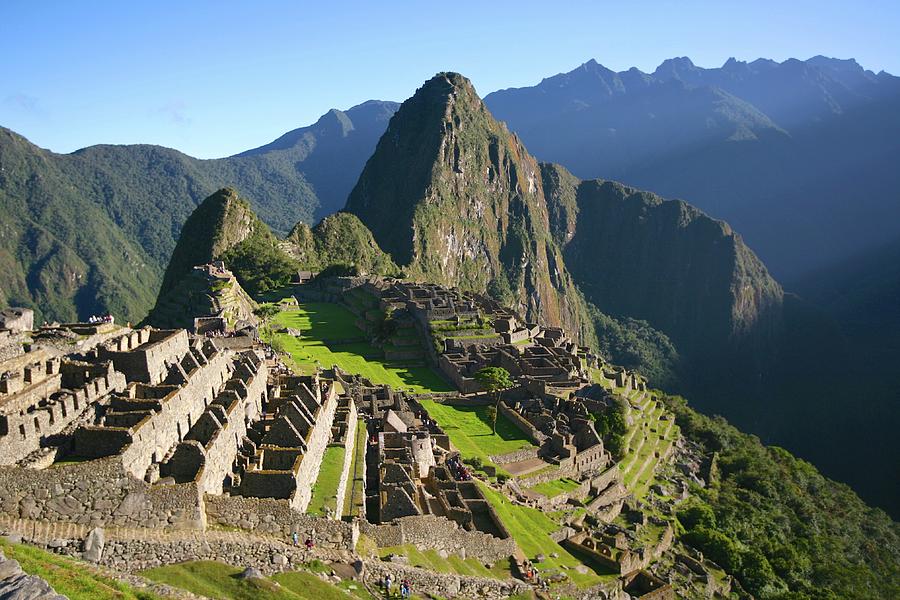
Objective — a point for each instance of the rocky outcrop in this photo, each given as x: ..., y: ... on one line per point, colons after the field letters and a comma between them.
x: 339, y: 239
x: 456, y: 199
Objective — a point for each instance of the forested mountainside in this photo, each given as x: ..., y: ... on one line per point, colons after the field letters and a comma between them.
x: 455, y: 198
x: 795, y: 155
x: 92, y: 231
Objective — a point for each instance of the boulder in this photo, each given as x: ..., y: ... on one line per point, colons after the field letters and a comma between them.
x: 93, y: 545
x: 279, y: 560
x: 251, y: 573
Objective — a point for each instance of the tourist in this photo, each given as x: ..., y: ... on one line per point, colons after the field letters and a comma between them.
x: 404, y: 589
x: 309, y: 544
x: 296, y: 538
x: 387, y: 585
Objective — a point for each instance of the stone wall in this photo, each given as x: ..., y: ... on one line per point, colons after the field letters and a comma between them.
x: 276, y: 517
x: 146, y: 361
x: 517, y: 456
x: 152, y: 438
x: 21, y: 431
x: 527, y: 428
x: 316, y: 443
x: 349, y: 445
x: 445, y: 585
x: 97, y: 493
x: 429, y: 532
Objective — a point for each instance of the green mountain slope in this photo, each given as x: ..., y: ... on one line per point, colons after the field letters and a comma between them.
x: 339, y: 239
x: 456, y: 199
x: 92, y: 231
x: 634, y: 254
x: 62, y: 253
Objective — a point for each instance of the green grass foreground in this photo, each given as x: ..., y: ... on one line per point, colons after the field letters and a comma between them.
x: 331, y: 338
x: 70, y: 577
x: 218, y: 580
x: 551, y: 489
x: 470, y: 430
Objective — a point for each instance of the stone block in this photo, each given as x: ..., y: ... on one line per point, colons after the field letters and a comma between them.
x: 93, y: 545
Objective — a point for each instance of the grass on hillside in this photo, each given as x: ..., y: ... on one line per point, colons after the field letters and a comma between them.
x: 531, y: 529
x: 326, y: 327
x: 554, y: 488
x: 324, y: 491
x: 639, y: 464
x: 470, y: 430
x: 218, y: 580
x: 69, y: 577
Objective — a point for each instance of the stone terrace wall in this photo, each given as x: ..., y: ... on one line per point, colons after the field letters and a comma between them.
x: 516, y: 456
x: 527, y: 428
x: 277, y: 518
x: 153, y: 437
x: 349, y: 445
x: 447, y: 586
x: 438, y: 533
x: 97, y: 493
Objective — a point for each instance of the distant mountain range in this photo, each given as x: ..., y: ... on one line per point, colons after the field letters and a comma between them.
x: 92, y: 231
x: 797, y: 156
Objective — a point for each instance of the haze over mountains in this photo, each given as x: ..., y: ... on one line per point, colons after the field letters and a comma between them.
x: 797, y: 156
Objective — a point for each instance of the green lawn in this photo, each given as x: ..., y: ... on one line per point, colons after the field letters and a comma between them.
x: 324, y: 325
x: 531, y: 528
x: 324, y: 491
x: 429, y: 559
x: 556, y: 487
x: 218, y: 580
x: 69, y: 577
x: 470, y: 430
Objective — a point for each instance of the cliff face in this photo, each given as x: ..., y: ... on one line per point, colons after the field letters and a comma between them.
x: 456, y: 199
x: 634, y: 254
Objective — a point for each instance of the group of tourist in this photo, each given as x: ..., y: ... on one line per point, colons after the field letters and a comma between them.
x: 95, y: 320
x: 460, y: 471
x: 405, y: 587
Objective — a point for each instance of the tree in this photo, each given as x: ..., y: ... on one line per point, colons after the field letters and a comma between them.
x: 494, y: 380
x: 492, y: 417
x: 266, y: 311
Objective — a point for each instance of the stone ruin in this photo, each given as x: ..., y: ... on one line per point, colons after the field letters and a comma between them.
x: 283, y: 450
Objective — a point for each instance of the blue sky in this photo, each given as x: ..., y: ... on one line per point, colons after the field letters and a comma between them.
x: 216, y: 78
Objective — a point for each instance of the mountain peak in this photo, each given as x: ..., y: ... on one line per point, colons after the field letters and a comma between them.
x: 220, y: 222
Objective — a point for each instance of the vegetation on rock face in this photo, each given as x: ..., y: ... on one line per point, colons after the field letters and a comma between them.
x: 455, y: 198
x: 225, y: 228
x: 786, y: 531
x: 612, y: 427
x: 339, y: 239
